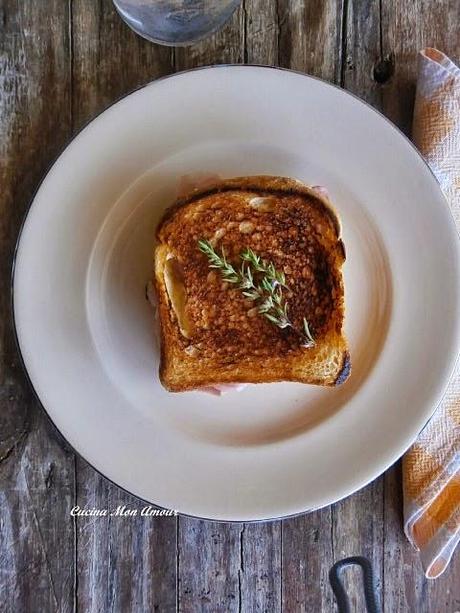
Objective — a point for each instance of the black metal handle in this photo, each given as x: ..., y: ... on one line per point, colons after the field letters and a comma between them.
x: 340, y: 594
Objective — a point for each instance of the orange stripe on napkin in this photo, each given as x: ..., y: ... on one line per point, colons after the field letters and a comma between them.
x: 438, y: 514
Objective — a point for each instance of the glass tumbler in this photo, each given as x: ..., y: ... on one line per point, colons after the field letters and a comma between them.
x: 175, y: 22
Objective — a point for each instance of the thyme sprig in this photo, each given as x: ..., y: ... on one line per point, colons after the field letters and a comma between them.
x: 259, y: 282
x: 219, y: 261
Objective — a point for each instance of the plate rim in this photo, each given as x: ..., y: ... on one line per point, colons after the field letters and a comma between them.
x: 31, y: 203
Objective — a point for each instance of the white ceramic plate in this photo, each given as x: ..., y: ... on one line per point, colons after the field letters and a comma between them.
x: 85, y: 329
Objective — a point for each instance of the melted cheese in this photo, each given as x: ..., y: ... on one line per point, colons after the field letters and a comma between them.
x: 177, y: 295
x: 265, y: 204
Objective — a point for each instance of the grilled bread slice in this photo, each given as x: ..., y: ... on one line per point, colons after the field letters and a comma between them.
x: 210, y: 332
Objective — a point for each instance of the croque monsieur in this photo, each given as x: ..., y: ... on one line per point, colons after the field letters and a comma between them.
x: 249, y: 286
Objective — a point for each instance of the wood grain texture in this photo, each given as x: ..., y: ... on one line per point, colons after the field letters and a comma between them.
x: 262, y: 32
x: 124, y: 563
x: 36, y: 470
x: 108, y: 59
x: 405, y: 588
x: 307, y: 556
x: 76, y: 58
x: 358, y: 530
x: 362, y: 51
x: 260, y: 574
x: 227, y: 46
x: 209, y: 566
x: 228, y: 567
x: 36, y: 530
x: 310, y: 36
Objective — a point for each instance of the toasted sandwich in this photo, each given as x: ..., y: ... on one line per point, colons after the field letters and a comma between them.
x: 248, y: 277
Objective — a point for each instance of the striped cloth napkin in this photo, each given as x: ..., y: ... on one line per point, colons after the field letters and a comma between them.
x: 431, y: 468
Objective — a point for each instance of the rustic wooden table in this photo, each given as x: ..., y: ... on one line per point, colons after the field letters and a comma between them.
x: 61, y: 63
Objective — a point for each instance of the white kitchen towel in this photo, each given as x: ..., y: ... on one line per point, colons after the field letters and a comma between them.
x: 431, y: 468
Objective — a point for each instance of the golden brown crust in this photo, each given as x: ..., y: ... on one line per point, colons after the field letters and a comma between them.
x: 258, y: 183
x: 299, y: 231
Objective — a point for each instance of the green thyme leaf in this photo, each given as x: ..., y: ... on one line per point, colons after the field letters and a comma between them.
x: 267, y: 290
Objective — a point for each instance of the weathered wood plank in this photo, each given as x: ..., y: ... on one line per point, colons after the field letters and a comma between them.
x: 227, y: 46
x: 260, y: 576
x: 109, y: 60
x: 310, y: 34
x: 444, y: 592
x: 405, y: 588
x: 229, y: 567
x: 125, y: 564
x: 307, y: 556
x: 209, y: 566
x: 358, y: 530
x: 362, y: 51
x: 262, y: 32
x: 37, y: 570
x: 36, y: 471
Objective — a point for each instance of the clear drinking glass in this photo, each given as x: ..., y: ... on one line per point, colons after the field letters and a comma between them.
x: 175, y: 22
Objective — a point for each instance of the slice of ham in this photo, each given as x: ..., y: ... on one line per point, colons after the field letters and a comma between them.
x: 187, y: 183
x: 223, y: 388
x: 322, y: 191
